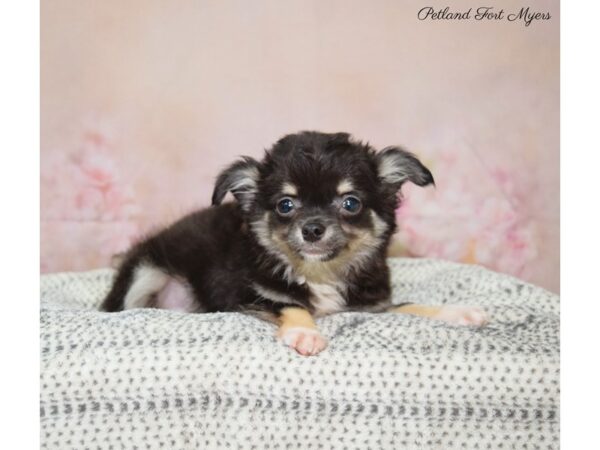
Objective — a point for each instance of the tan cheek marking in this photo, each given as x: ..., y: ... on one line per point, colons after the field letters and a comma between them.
x: 379, y: 224
x: 295, y: 317
x: 279, y: 240
x: 360, y: 239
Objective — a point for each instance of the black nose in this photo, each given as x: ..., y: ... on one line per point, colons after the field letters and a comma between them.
x: 313, y: 231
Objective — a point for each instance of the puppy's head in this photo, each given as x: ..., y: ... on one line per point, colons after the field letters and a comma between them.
x: 319, y: 197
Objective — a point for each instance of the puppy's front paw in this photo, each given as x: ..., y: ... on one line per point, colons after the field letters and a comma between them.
x: 305, y: 341
x: 462, y: 315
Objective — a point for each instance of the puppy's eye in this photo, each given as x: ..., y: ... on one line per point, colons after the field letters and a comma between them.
x: 351, y: 205
x: 285, y: 206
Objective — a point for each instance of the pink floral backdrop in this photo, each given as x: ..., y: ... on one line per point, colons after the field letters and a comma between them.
x: 144, y: 102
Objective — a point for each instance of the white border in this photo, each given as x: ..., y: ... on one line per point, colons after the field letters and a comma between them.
x: 580, y: 224
x: 19, y: 263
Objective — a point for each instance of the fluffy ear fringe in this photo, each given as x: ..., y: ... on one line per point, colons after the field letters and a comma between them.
x: 396, y: 166
x: 241, y: 179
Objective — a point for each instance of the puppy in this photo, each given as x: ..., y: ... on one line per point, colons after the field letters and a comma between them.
x: 305, y: 237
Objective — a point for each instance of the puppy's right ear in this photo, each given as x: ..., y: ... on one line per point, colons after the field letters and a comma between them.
x: 396, y: 166
x: 241, y: 179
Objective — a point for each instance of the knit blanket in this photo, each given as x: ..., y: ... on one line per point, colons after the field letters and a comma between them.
x: 151, y: 378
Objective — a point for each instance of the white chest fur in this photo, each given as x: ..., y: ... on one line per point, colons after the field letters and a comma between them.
x: 326, y: 298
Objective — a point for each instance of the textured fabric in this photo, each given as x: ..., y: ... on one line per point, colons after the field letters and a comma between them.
x: 159, y: 379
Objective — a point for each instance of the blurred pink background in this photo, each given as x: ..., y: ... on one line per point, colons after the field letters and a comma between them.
x: 143, y: 102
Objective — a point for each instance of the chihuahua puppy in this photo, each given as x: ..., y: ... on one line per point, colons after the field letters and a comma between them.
x: 306, y: 236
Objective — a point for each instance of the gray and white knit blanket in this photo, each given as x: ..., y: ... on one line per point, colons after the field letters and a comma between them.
x: 161, y: 379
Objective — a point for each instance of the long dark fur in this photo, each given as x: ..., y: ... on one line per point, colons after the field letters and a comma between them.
x: 223, y: 252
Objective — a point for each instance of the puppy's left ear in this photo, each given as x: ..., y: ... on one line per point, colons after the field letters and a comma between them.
x: 396, y: 166
x: 241, y: 179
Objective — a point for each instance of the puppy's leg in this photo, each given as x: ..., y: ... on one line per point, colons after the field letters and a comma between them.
x: 298, y: 330
x: 455, y: 314
x: 135, y: 286
x: 147, y: 282
x: 126, y: 271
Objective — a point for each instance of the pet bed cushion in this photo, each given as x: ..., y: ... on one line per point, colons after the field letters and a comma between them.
x: 150, y: 378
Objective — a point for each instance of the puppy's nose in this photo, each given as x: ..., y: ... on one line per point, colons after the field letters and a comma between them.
x: 313, y: 231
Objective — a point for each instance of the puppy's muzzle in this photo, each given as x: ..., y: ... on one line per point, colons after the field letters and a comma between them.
x: 313, y: 231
